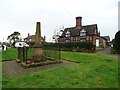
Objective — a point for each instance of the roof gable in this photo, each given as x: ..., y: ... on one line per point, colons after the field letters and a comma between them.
x: 106, y: 38
x: 32, y: 37
x: 90, y: 30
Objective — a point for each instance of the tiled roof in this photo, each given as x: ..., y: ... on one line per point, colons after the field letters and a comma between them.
x: 90, y: 30
x: 31, y: 37
x: 106, y: 37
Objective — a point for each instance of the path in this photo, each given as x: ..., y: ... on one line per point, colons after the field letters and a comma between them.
x: 13, y: 69
x: 107, y: 52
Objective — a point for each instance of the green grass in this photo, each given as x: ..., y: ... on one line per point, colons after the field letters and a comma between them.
x: 99, y: 48
x: 30, y: 53
x: 10, y: 54
x: 53, y: 54
x: 92, y: 71
x: 0, y: 71
x: 0, y: 75
x: 85, y: 57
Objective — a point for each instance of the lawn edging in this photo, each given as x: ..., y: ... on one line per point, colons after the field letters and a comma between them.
x: 24, y: 65
x: 72, y: 61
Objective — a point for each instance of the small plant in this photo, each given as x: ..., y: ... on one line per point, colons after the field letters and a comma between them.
x: 18, y: 61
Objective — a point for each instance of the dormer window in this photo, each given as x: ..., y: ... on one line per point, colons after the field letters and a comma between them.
x: 95, y: 31
x: 83, y: 32
x: 67, y: 34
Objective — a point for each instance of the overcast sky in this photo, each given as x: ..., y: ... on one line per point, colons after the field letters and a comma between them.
x: 22, y: 15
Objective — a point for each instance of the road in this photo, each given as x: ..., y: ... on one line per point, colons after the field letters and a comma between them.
x: 107, y: 52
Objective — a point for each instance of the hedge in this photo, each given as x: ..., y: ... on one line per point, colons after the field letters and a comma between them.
x: 73, y: 46
x: 116, y: 44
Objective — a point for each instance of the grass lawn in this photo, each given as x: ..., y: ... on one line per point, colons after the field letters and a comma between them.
x: 0, y: 72
x: 91, y: 71
x: 10, y: 54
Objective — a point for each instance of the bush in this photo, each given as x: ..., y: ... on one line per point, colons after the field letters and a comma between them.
x: 101, y: 46
x: 116, y: 45
x: 31, y: 43
x: 73, y: 46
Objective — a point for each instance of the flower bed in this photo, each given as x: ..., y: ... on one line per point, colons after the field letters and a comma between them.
x: 32, y: 64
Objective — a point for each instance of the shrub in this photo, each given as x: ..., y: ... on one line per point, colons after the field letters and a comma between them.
x: 101, y: 46
x: 116, y: 44
x: 31, y: 43
x: 73, y: 46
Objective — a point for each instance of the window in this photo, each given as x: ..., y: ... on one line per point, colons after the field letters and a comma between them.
x: 30, y: 40
x: 82, y: 40
x: 67, y: 34
x: 83, y: 32
x: 95, y: 31
x: 67, y: 40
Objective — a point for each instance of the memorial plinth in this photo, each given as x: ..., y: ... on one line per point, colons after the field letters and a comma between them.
x: 38, y: 46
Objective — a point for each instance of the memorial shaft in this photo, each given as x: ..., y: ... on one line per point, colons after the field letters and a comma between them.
x: 38, y: 34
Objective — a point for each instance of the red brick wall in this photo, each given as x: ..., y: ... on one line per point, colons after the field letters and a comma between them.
x: 88, y: 38
x: 102, y: 41
x: 78, y: 21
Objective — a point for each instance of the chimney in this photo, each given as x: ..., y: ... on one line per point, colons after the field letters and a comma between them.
x: 28, y: 34
x: 99, y: 33
x: 78, y: 22
x: 44, y: 38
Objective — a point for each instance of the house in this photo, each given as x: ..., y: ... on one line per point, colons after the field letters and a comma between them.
x: 81, y: 33
x: 31, y: 38
x: 107, y: 40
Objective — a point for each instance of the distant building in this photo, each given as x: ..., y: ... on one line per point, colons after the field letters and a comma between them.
x: 112, y: 42
x: 107, y: 38
x: 31, y: 38
x: 81, y: 33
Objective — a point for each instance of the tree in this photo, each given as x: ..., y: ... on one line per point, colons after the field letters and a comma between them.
x: 58, y: 33
x: 117, y: 42
x: 13, y: 38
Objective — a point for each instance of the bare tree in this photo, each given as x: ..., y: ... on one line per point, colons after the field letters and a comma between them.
x: 58, y: 33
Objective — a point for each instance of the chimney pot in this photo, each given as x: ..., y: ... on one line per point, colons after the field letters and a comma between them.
x: 78, y: 22
x: 28, y: 34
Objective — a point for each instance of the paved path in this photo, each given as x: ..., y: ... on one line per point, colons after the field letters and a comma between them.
x: 107, y: 52
x: 13, y: 69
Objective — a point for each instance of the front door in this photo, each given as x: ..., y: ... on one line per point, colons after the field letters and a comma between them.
x: 97, y: 42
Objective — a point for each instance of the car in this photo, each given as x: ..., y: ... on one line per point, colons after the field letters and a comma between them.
x: 21, y: 44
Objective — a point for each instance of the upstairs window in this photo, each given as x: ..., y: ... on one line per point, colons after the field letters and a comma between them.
x: 67, y: 34
x: 82, y: 40
x: 67, y: 40
x: 83, y: 32
x: 95, y: 31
